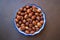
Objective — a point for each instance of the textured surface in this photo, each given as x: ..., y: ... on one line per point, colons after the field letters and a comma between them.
x: 51, y: 30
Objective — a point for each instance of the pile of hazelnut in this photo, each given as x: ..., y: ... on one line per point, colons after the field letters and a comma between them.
x: 29, y: 19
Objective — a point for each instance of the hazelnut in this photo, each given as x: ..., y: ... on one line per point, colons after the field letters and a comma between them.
x: 21, y: 9
x: 25, y: 12
x: 18, y: 25
x: 41, y: 21
x: 36, y: 26
x: 26, y: 27
x: 27, y: 6
x: 30, y: 25
x: 38, y: 18
x: 24, y: 21
x: 18, y: 12
x: 34, y: 22
x: 20, y: 22
x: 37, y: 29
x: 36, y: 14
x: 27, y: 23
x: 32, y: 32
x: 22, y: 25
x: 26, y: 16
x: 40, y: 14
x: 24, y: 9
x: 29, y: 20
x: 21, y: 17
x: 27, y: 31
x: 38, y: 10
x: 22, y: 14
x: 39, y: 24
x: 33, y: 17
x: 33, y: 6
x: 18, y: 17
x: 28, y: 10
x: 22, y: 28
x: 16, y: 20
x: 30, y: 14
x: 33, y: 28
x: 34, y: 10
x: 41, y: 17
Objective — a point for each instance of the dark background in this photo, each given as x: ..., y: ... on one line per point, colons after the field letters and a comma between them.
x: 51, y: 9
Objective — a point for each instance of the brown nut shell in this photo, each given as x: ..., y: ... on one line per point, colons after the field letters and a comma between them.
x: 27, y: 31
x: 16, y: 20
x: 32, y: 32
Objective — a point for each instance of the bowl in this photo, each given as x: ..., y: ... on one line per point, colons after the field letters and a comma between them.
x: 42, y: 27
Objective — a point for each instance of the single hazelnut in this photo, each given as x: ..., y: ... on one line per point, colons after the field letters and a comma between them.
x: 41, y: 17
x: 25, y: 12
x: 34, y: 10
x: 28, y: 19
x: 24, y: 9
x: 27, y: 23
x: 22, y: 28
x: 38, y: 18
x: 21, y: 17
x: 18, y: 17
x: 40, y: 14
x: 33, y: 6
x: 30, y: 25
x: 36, y: 26
x: 18, y: 12
x: 26, y: 27
x: 30, y: 14
x: 39, y: 24
x: 21, y: 9
x: 26, y: 16
x: 36, y: 14
x: 16, y: 20
x: 38, y: 10
x: 20, y: 22
x: 34, y: 22
x: 41, y: 21
x: 37, y: 29
x: 27, y: 6
x: 24, y: 21
x: 27, y: 31
x: 33, y: 17
x: 18, y: 25
x: 22, y: 14
x: 28, y: 10
x: 37, y: 21
x: 32, y: 32
x: 22, y: 25
x: 33, y: 28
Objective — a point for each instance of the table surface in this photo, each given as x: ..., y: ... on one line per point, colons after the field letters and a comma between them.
x: 51, y: 30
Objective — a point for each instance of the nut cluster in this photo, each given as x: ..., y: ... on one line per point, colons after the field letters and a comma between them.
x: 29, y: 19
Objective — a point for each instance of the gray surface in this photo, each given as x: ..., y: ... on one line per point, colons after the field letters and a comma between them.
x: 51, y: 30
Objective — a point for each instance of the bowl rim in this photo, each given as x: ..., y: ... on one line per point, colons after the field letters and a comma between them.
x: 42, y: 27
